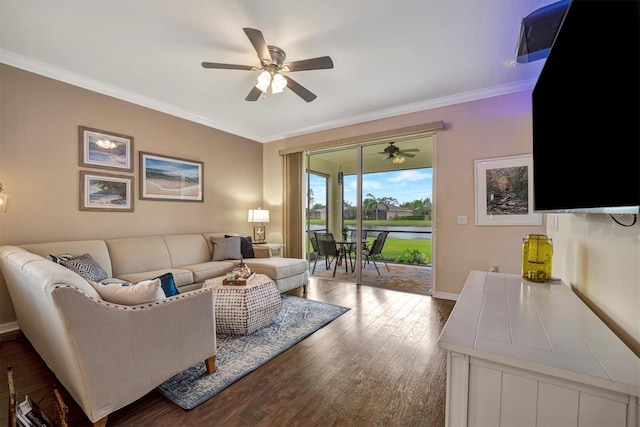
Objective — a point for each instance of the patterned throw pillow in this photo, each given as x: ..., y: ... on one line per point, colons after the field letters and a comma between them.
x: 86, y: 267
x: 130, y: 293
x: 58, y: 258
x: 226, y: 248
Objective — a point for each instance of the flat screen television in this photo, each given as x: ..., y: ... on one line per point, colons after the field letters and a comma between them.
x: 586, y: 112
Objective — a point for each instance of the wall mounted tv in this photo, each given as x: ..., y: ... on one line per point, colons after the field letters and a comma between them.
x: 586, y: 112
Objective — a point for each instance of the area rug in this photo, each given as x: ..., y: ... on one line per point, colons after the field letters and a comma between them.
x: 239, y: 355
x: 402, y: 277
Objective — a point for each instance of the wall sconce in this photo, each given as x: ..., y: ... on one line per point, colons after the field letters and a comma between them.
x: 259, y: 216
x: 4, y: 201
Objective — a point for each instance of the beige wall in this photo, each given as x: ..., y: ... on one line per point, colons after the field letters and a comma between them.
x: 607, y: 267
x: 39, y: 167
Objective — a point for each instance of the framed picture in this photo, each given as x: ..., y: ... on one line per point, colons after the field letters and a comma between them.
x: 105, y: 150
x: 106, y: 193
x: 170, y: 178
x: 504, y: 191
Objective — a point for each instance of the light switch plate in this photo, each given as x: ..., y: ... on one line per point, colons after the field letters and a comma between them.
x: 462, y: 219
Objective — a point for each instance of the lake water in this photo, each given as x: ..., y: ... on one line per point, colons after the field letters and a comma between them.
x: 395, y: 232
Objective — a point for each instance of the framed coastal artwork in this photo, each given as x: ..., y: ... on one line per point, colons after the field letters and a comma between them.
x: 170, y: 178
x: 101, y: 192
x: 504, y: 191
x: 105, y: 150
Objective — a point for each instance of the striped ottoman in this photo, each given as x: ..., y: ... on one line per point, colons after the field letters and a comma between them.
x: 241, y: 310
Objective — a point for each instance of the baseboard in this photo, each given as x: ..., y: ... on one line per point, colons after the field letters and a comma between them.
x: 445, y: 295
x: 9, y: 327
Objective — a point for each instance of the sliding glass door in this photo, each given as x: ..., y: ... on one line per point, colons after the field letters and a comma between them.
x: 378, y: 210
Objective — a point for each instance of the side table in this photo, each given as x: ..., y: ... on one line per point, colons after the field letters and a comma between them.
x: 275, y: 249
x: 241, y: 310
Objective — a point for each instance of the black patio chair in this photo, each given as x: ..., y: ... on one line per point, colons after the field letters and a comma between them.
x: 328, y: 248
x: 316, y: 252
x: 375, y: 250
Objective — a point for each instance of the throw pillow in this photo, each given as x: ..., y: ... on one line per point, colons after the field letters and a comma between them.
x: 58, y: 258
x: 226, y: 248
x: 86, y: 267
x: 168, y: 284
x: 130, y: 293
x: 246, y: 246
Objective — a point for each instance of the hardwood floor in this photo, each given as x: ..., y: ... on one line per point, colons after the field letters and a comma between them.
x: 378, y: 364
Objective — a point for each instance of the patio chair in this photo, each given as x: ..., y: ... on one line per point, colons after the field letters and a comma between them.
x: 328, y: 248
x: 316, y: 252
x: 375, y: 250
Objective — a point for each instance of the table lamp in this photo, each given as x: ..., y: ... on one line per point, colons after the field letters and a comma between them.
x: 259, y: 216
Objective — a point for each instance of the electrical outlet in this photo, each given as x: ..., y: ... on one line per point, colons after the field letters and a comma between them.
x: 494, y: 269
x: 553, y: 222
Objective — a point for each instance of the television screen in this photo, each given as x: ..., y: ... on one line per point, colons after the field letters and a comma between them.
x: 586, y: 112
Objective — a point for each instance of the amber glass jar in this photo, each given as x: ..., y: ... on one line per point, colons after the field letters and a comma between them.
x: 537, y: 250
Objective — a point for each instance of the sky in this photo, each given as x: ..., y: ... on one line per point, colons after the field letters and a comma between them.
x: 405, y: 186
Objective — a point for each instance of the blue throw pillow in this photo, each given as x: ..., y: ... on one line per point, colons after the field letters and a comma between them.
x: 168, y: 284
x: 246, y: 246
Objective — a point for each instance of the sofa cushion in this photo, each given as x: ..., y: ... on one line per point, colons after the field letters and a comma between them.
x: 246, y: 246
x: 226, y: 248
x: 86, y: 267
x: 209, y: 270
x: 132, y: 255
x: 187, y: 249
x: 277, y: 268
x: 168, y: 284
x: 130, y: 293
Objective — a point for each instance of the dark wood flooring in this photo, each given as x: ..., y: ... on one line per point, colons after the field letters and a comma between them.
x: 377, y: 365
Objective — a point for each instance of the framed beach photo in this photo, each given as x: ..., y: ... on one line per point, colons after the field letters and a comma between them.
x: 504, y: 191
x: 170, y: 178
x: 103, y: 192
x: 105, y: 150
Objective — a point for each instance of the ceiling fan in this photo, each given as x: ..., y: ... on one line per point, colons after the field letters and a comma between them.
x: 395, y: 155
x: 272, y: 65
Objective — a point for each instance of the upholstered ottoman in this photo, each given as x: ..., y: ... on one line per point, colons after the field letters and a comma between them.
x: 241, y: 310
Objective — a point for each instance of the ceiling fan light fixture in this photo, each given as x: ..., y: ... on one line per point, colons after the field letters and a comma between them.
x: 398, y: 159
x: 264, y: 80
x: 278, y: 84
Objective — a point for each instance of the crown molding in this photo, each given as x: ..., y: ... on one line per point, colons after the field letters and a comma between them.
x: 46, y: 70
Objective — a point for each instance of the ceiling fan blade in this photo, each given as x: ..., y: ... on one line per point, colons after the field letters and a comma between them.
x: 320, y: 63
x: 404, y: 153
x: 300, y: 90
x: 254, y: 94
x: 410, y: 150
x: 260, y: 45
x: 227, y: 66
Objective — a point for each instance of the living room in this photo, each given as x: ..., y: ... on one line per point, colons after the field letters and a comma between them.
x: 39, y: 170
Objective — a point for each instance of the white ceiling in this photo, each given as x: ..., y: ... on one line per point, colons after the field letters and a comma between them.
x: 390, y: 57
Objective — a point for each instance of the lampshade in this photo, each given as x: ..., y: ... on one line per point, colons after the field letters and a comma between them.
x: 258, y: 215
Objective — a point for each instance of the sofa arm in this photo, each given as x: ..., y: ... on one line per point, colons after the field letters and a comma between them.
x: 124, y: 352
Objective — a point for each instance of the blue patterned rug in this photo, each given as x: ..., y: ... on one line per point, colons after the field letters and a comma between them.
x: 239, y: 355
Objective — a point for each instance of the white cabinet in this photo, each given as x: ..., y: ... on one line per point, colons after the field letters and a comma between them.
x: 532, y: 354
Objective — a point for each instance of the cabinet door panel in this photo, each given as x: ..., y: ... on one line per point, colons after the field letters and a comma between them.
x: 597, y: 411
x: 519, y: 401
x: 557, y: 406
x: 484, y: 396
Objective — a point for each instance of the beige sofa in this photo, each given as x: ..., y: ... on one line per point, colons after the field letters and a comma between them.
x: 95, y: 348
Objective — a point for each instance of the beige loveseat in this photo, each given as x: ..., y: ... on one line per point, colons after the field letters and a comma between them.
x: 109, y: 355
